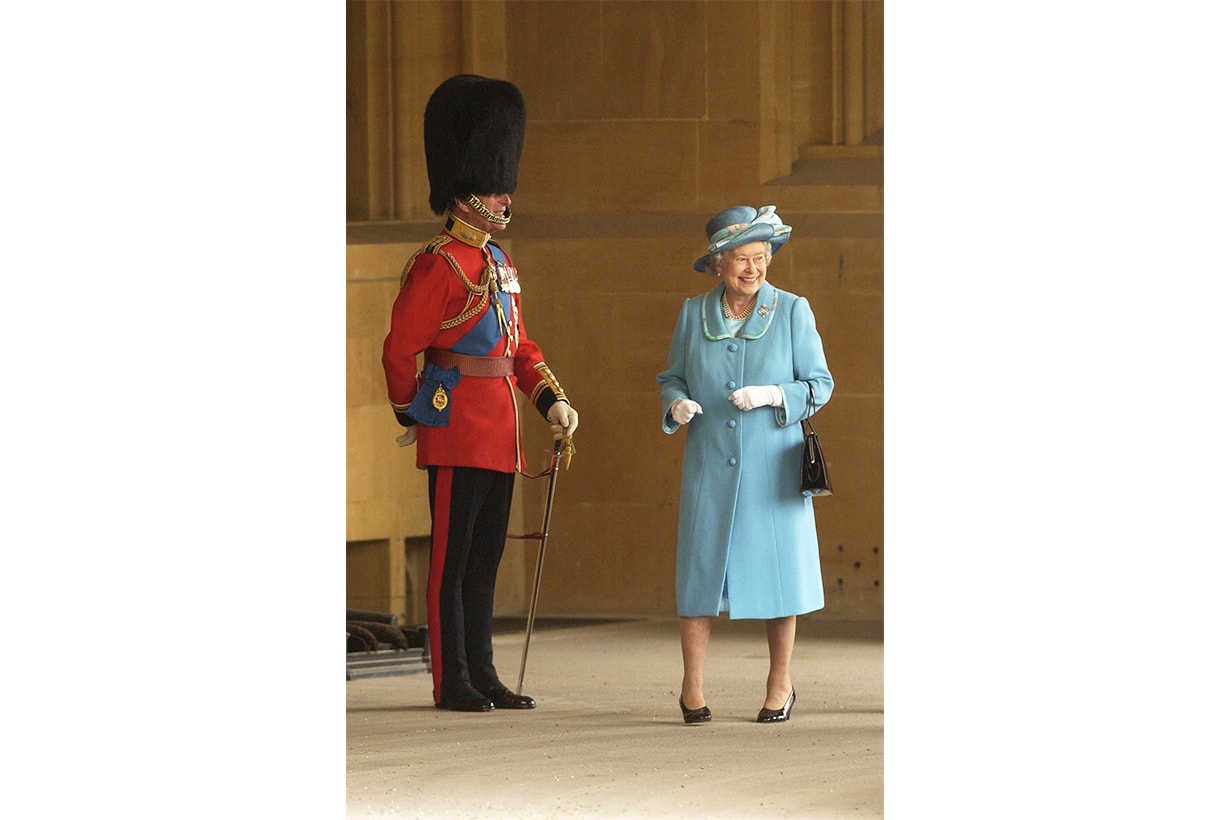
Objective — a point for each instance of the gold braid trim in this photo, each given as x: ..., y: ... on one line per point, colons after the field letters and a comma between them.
x: 548, y: 380
x: 430, y: 247
x: 482, y: 290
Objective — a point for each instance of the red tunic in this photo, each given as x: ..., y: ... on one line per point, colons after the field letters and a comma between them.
x: 463, y: 297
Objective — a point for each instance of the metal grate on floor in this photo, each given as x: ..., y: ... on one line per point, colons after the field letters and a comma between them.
x: 384, y: 663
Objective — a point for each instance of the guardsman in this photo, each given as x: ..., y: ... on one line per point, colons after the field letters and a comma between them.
x: 460, y: 307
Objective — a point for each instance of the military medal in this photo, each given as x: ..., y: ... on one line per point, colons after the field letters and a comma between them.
x: 507, y: 276
x: 440, y: 399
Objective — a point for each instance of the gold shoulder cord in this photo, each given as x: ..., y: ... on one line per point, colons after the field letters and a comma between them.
x: 481, y: 290
x: 510, y: 331
x: 430, y: 247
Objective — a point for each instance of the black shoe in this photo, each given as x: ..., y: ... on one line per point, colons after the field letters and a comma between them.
x: 695, y: 715
x: 777, y: 715
x: 505, y: 698
x: 466, y: 698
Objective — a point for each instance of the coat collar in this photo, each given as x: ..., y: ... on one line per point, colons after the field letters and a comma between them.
x: 465, y: 232
x: 714, y: 323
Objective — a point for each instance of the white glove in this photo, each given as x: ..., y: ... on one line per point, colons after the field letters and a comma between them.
x: 407, y: 438
x: 564, y: 420
x: 684, y: 410
x: 749, y: 398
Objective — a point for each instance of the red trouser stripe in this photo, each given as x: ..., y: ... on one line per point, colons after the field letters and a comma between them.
x: 439, y: 549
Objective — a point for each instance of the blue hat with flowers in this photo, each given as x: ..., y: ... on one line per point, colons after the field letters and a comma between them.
x: 742, y: 224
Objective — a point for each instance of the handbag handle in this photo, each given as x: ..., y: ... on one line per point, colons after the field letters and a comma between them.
x: 811, y: 402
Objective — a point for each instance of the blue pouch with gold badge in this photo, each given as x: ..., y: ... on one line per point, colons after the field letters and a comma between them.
x: 431, y: 401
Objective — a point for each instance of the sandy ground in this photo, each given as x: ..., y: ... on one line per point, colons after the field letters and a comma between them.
x: 608, y: 740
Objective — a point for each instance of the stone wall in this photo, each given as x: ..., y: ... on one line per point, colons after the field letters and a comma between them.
x: 645, y: 118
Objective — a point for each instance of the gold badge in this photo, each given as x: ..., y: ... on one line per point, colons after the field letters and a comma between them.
x: 440, y: 399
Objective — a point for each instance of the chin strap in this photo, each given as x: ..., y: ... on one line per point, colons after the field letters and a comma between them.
x: 477, y: 204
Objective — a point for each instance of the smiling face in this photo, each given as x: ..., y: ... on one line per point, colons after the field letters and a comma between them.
x: 744, y: 269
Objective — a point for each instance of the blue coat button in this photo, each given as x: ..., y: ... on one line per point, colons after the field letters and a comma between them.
x: 731, y: 462
x: 731, y: 424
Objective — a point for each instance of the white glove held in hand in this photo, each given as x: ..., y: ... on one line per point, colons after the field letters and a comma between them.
x: 407, y: 438
x: 564, y: 420
x: 749, y: 398
x: 684, y: 410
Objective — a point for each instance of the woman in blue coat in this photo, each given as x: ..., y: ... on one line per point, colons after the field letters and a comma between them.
x: 746, y: 365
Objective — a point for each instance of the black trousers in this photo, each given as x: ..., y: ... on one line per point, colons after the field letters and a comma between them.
x: 469, y: 527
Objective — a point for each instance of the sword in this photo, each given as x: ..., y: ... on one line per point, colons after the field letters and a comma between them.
x: 564, y: 450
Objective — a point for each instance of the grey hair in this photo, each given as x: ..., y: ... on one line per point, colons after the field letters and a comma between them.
x: 714, y: 259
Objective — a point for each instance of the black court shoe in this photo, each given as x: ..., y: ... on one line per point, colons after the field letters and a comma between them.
x: 695, y: 715
x: 777, y: 715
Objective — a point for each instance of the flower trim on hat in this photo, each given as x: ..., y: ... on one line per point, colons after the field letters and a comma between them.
x: 765, y: 216
x: 725, y: 233
x: 764, y: 226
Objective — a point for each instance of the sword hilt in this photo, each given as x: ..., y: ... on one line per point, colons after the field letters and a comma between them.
x: 565, y: 450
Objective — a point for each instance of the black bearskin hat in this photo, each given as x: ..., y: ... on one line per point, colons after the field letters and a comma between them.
x: 473, y: 132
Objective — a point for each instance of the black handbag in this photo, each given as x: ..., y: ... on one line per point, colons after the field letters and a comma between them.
x: 813, y: 472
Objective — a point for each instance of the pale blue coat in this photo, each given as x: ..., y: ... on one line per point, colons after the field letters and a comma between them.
x: 747, y: 536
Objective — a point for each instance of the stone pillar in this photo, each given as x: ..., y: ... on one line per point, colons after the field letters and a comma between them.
x: 379, y: 101
x: 853, y: 75
x: 484, y: 47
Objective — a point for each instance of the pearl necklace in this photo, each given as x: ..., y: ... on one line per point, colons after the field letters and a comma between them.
x: 730, y: 314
